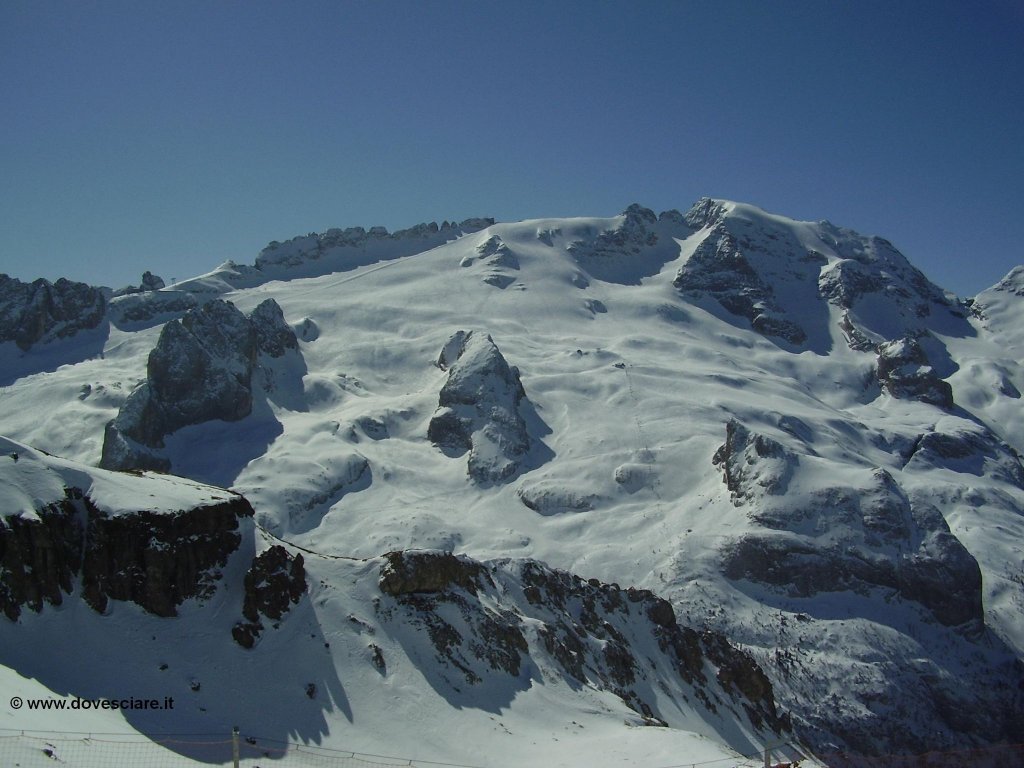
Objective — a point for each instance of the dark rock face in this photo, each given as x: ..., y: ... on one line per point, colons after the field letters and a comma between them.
x: 154, y: 560
x: 200, y: 370
x: 275, y: 582
x: 940, y: 574
x: 274, y: 337
x: 904, y: 373
x: 144, y: 307
x: 41, y: 311
x: 631, y: 237
x: 722, y: 267
x: 39, y: 558
x: 479, y: 408
x: 753, y: 463
x: 489, y: 622
x: 158, y: 561
x: 870, y: 273
x: 843, y: 538
x: 412, y: 572
x: 871, y: 265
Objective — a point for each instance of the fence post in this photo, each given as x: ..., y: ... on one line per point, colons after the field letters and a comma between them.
x: 234, y: 747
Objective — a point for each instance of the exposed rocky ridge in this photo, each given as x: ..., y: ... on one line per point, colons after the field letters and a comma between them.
x: 835, y: 538
x: 156, y: 560
x: 478, y: 408
x: 503, y: 623
x: 870, y: 273
x: 200, y: 370
x: 41, y: 311
x: 346, y: 244
x: 870, y: 462
x: 760, y: 269
x: 334, y: 250
x: 721, y: 267
x: 1012, y: 283
x: 147, y: 307
x: 275, y: 581
x: 639, y: 246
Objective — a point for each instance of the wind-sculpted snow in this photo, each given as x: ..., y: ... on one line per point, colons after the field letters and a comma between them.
x: 858, y: 535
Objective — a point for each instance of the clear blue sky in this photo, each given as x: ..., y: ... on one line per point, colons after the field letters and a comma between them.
x: 174, y: 135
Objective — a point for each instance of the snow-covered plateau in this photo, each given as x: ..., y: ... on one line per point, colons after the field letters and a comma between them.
x: 648, y: 490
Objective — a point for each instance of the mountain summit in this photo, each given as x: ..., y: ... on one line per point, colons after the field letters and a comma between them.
x: 537, y: 483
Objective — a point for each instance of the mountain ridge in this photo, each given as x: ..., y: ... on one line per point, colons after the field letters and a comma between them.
x: 873, y: 470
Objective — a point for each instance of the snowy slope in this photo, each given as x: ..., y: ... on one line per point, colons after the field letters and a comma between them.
x: 637, y: 339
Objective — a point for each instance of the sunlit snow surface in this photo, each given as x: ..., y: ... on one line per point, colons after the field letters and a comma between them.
x: 632, y: 385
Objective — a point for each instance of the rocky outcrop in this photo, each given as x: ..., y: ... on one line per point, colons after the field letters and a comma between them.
x: 200, y: 370
x: 974, y: 451
x: 427, y: 571
x: 41, y: 311
x: 939, y: 574
x: 348, y: 248
x: 274, y: 337
x: 479, y: 408
x: 150, y: 282
x: 721, y: 267
x: 40, y: 555
x: 156, y: 559
x: 871, y: 265
x: 753, y: 464
x: 637, y: 247
x: 159, y: 560
x: 633, y: 234
x: 870, y: 273
x: 486, y: 623
x: 830, y: 538
x: 551, y: 498
x: 903, y: 372
x: 495, y: 261
x: 150, y: 307
x: 274, y: 583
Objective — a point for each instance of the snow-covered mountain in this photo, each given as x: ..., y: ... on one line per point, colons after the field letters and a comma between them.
x: 749, y: 478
